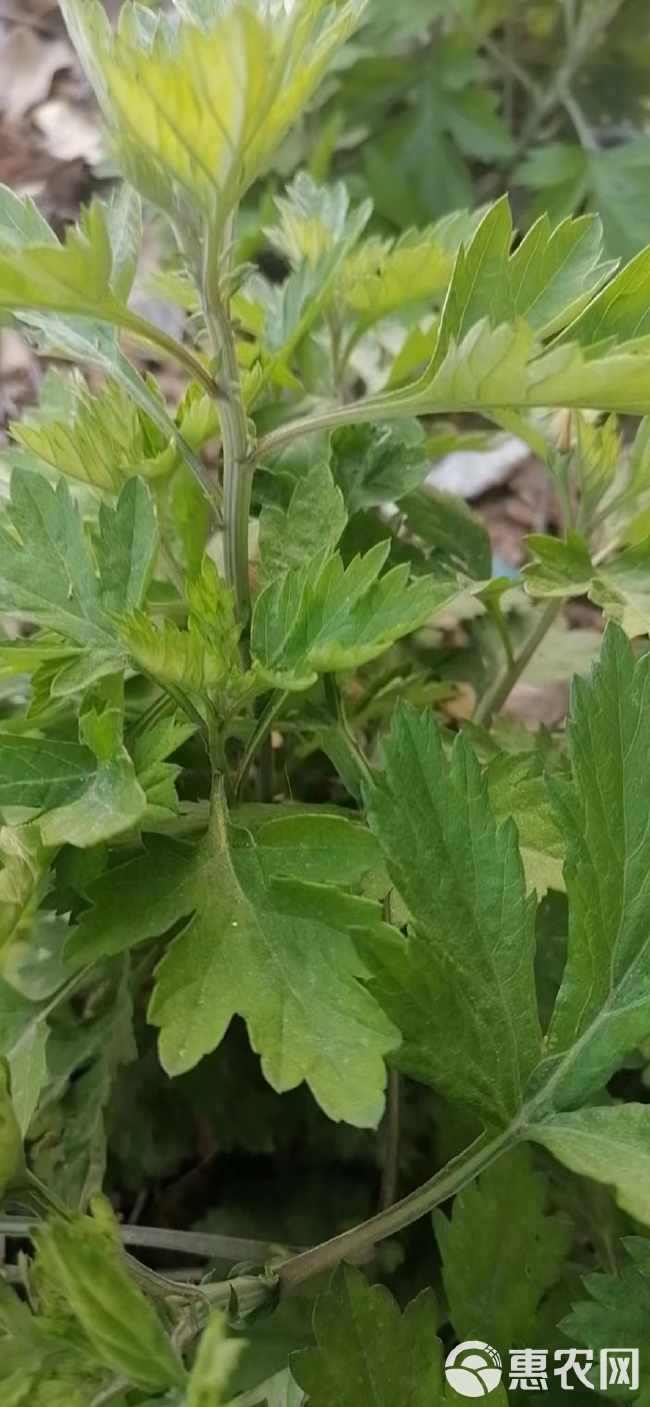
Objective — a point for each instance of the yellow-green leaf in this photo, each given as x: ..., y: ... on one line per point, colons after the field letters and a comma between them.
x: 196, y: 109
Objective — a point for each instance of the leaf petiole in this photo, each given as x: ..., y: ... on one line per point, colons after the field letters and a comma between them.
x: 260, y: 731
x: 359, y: 1239
x: 495, y: 697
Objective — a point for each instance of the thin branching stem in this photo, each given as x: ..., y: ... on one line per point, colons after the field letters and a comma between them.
x: 495, y: 697
x: 237, y: 469
x: 350, y: 1244
x: 345, y: 730
x: 258, y: 735
x: 153, y: 336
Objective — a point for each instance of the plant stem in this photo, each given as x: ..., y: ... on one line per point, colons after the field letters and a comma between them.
x: 260, y: 731
x: 445, y: 1184
x: 153, y: 336
x: 182, y: 701
x: 496, y: 696
x: 326, y: 419
x: 193, y: 1243
x: 495, y: 612
x: 112, y: 1393
x: 237, y: 468
x: 159, y: 706
x: 336, y: 704
x: 583, y: 130
x: 506, y: 61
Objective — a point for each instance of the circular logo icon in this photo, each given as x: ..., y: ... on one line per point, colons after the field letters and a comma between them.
x: 473, y: 1368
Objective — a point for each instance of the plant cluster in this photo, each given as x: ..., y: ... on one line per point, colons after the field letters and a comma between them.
x: 258, y: 891
x: 444, y: 103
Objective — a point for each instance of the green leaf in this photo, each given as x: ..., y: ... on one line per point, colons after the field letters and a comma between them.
x: 47, y: 574
x: 497, y: 309
x: 618, y: 1311
x: 21, y: 223
x: 74, y: 277
x: 279, y: 1391
x: 124, y: 548
x: 374, y: 464
x: 619, y: 311
x: 275, y: 952
x: 464, y: 996
x: 499, y: 368
x: 381, y: 276
x: 313, y: 523
x: 618, y: 179
x: 610, y: 1144
x: 86, y: 339
x: 458, y: 537
x: 155, y: 774
x: 68, y: 1148
x: 196, y: 110
x: 42, y: 774
x: 202, y: 657
x: 216, y: 1358
x: 16, y: 1014
x: 602, y: 1010
x: 124, y: 224
x: 42, y: 1364
x: 545, y: 281
x: 560, y: 568
x: 12, y: 1160
x: 598, y: 456
x: 28, y: 1066
x: 84, y: 1262
x: 323, y: 618
x: 368, y: 1354
x: 23, y: 862
x: 99, y: 439
x: 312, y: 220
x: 190, y: 513
x: 315, y: 233
x: 501, y: 1253
x: 622, y: 588
x: 319, y: 848
x: 112, y: 799
x: 516, y: 787
x: 558, y: 172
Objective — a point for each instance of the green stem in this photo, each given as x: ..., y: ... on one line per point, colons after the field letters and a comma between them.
x: 506, y: 61
x: 157, y: 709
x: 237, y: 468
x: 583, y: 130
x: 161, y: 1238
x: 362, y: 1238
x: 328, y: 419
x: 260, y: 731
x: 336, y: 705
x: 180, y: 698
x: 582, y: 37
x: 112, y: 1393
x: 153, y: 336
x: 496, y: 696
x: 496, y: 614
